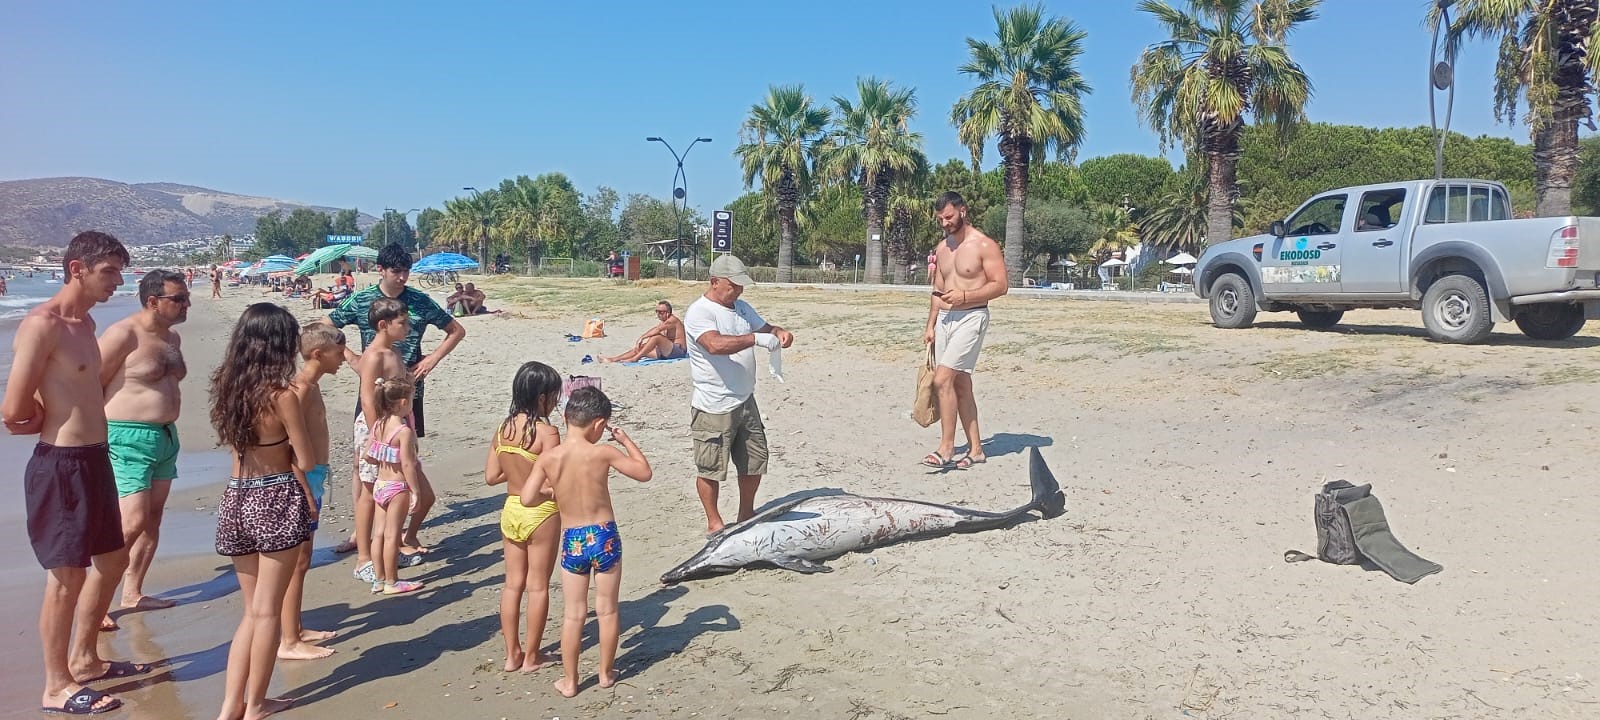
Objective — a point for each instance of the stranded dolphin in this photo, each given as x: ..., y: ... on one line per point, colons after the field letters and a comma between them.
x: 794, y: 535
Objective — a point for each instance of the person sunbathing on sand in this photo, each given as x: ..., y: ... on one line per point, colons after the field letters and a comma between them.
x: 662, y: 342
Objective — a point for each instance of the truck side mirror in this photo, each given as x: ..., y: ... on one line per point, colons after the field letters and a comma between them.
x: 1278, y: 230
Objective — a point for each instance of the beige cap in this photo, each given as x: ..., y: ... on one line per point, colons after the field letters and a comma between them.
x: 732, y: 268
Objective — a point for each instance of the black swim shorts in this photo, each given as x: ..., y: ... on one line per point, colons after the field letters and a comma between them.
x: 72, y: 504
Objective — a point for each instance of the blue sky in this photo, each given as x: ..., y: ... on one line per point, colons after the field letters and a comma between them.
x: 401, y: 104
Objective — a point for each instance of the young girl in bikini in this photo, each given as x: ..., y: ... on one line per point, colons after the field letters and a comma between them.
x: 530, y: 533
x: 392, y: 446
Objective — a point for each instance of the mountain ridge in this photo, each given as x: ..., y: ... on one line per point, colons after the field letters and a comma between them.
x: 47, y: 212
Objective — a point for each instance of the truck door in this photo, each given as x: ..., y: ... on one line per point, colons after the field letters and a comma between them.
x: 1372, y: 257
x: 1305, y: 261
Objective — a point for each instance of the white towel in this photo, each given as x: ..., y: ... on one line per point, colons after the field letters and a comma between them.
x: 774, y: 353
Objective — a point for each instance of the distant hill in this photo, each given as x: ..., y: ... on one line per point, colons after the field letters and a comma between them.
x: 47, y: 212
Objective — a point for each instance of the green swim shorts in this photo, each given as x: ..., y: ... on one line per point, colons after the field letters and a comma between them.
x: 140, y: 453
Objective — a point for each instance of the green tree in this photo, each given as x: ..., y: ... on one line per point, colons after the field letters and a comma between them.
x: 1179, y: 219
x: 392, y: 227
x: 344, y: 222
x: 427, y: 224
x: 1543, y: 56
x: 307, y: 230
x: 1223, y: 60
x: 560, y: 217
x: 1030, y: 97
x: 778, y: 145
x: 755, y: 229
x: 646, y: 219
x: 912, y: 230
x: 1136, y: 179
x: 1053, y: 228
x: 831, y: 226
x: 598, y: 233
x: 469, y: 221
x: 272, y: 237
x: 872, y: 146
x: 958, y: 177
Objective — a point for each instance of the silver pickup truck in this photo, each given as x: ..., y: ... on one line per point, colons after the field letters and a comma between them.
x: 1447, y: 247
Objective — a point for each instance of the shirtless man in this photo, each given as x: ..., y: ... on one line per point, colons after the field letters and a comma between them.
x: 969, y: 272
x: 141, y: 366
x: 73, y: 522
x: 664, y: 341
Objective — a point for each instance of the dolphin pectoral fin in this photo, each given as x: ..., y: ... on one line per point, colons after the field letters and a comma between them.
x: 801, y: 565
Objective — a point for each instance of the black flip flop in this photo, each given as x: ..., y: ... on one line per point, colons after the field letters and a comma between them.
x: 943, y: 463
x: 121, y: 669
x: 965, y: 462
x: 83, y: 703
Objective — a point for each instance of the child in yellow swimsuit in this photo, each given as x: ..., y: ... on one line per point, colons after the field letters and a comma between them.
x: 531, y: 534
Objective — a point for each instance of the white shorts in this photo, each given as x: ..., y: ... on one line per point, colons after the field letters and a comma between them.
x: 367, y: 471
x: 958, y: 338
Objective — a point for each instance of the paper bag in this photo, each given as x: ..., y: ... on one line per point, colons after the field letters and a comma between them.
x: 925, y: 409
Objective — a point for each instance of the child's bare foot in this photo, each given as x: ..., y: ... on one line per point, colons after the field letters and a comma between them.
x: 268, y: 707
x: 713, y: 529
x: 316, y: 636
x: 302, y: 651
x: 566, y: 687
x: 146, y: 602
x: 514, y: 661
x: 538, y: 661
x: 608, y: 678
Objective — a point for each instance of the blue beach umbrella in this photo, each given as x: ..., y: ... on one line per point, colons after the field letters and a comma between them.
x: 438, y: 262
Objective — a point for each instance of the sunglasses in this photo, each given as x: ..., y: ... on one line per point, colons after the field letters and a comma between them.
x: 180, y: 298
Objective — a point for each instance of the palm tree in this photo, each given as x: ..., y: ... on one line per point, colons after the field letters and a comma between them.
x: 871, y: 145
x: 910, y: 215
x: 779, y: 146
x: 1181, y: 217
x: 1030, y: 96
x: 1543, y: 54
x: 520, y: 207
x: 1224, y: 59
x: 469, y: 219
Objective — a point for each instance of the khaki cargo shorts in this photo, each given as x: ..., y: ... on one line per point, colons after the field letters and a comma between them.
x: 958, y: 337
x: 737, y: 435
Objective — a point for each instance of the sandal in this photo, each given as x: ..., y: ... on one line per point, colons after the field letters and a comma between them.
x: 410, y: 560
x: 935, y: 460
x: 120, y: 669
x: 402, y: 587
x: 965, y: 462
x: 84, y: 703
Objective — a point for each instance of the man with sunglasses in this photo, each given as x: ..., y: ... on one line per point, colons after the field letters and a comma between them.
x: 141, y: 369
x: 662, y: 342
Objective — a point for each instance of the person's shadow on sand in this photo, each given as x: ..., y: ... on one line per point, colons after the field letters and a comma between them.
x: 653, y: 642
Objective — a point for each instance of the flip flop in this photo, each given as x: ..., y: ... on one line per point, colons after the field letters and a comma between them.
x: 344, y: 548
x: 939, y: 461
x: 121, y: 669
x: 83, y: 703
x: 409, y: 561
x: 966, y: 462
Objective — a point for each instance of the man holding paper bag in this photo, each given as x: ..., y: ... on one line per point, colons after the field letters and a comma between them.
x: 723, y: 332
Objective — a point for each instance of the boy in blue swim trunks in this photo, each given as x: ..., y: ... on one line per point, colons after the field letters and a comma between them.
x: 576, y: 472
x: 322, y: 348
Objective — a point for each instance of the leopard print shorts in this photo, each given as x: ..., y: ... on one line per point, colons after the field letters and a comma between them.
x: 262, y: 515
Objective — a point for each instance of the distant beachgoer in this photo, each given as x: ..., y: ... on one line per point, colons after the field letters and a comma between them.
x: 576, y: 474
x: 529, y: 535
x: 663, y: 341
x: 2, y: 286
x: 722, y: 333
x: 972, y: 272
x: 266, y: 511
x: 141, y: 368
x: 216, y: 282
x: 70, y: 491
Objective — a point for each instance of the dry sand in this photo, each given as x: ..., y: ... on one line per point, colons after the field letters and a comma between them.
x: 1188, y: 454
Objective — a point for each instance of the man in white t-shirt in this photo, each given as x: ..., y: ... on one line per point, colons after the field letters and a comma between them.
x: 723, y: 332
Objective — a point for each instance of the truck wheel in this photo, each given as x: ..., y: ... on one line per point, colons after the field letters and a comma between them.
x: 1233, y: 304
x: 1456, y: 310
x: 1550, y: 321
x: 1320, y: 318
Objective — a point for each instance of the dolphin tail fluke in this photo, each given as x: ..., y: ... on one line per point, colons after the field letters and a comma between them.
x: 1047, y: 496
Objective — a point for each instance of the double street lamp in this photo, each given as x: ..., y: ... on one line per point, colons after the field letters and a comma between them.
x: 680, y: 192
x: 388, y: 217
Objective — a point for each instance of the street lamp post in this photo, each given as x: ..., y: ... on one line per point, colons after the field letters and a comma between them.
x: 680, y: 192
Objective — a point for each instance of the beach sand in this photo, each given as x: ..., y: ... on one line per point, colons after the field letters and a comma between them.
x: 1189, y: 456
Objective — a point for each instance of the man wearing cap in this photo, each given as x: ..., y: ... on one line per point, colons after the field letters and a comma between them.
x: 723, y: 332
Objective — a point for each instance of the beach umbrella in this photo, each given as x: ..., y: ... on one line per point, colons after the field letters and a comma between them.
x: 1063, y: 262
x: 1183, y: 271
x: 1113, y: 262
x: 361, y: 252
x: 444, y: 261
x: 1182, y: 258
x: 277, y: 258
x: 321, y: 256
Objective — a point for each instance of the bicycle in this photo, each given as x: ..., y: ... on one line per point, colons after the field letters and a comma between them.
x: 439, y: 278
